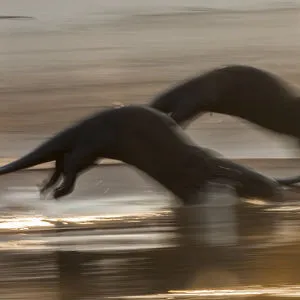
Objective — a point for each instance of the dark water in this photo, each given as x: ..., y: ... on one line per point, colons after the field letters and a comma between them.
x: 127, y: 238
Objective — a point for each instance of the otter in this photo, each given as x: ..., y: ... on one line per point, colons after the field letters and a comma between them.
x: 241, y: 91
x: 151, y: 142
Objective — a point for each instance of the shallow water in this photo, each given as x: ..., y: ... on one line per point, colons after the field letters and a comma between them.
x: 76, y: 57
x: 119, y: 235
x: 128, y: 237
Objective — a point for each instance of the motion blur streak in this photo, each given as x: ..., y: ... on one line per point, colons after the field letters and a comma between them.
x: 283, y: 291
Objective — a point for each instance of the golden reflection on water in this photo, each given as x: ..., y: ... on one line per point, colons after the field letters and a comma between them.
x: 291, y: 291
x: 27, y: 223
x: 24, y: 223
x: 281, y: 291
x: 123, y: 236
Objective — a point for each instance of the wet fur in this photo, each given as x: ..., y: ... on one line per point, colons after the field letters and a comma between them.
x: 148, y: 140
x: 241, y: 91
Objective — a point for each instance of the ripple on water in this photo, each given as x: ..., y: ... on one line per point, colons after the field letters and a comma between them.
x: 123, y: 223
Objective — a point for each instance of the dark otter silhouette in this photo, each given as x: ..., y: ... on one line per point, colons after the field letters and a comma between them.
x: 148, y: 140
x: 242, y: 91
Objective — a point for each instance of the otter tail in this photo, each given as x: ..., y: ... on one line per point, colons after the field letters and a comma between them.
x: 44, y: 153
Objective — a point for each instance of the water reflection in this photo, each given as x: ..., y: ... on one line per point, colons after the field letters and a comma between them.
x: 285, y: 291
x: 221, y: 248
x: 34, y: 223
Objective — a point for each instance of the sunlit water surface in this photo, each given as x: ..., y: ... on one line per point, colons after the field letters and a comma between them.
x: 152, y: 247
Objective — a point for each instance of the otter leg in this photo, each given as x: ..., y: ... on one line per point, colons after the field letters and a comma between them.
x: 74, y: 163
x: 48, y: 183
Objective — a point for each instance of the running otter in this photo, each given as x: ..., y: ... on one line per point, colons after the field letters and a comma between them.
x: 148, y: 140
x: 241, y: 91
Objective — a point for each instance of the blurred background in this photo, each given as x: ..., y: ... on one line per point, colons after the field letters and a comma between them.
x: 119, y: 234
